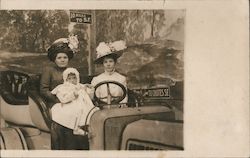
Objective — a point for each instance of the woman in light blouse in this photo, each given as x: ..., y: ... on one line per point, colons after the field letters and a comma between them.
x: 107, y: 55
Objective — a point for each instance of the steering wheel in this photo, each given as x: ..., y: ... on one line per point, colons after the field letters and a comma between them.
x: 110, y: 99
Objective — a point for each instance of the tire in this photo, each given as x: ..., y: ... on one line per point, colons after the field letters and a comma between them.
x: 11, y: 138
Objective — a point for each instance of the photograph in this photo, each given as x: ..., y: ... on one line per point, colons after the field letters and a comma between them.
x: 124, y: 79
x: 102, y: 79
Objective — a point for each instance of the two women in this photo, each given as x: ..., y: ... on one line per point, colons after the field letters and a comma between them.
x: 61, y: 52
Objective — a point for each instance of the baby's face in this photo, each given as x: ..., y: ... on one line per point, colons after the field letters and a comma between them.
x: 72, y: 79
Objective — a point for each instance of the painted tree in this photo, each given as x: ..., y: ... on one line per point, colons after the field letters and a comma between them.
x: 31, y: 30
x: 12, y: 24
x: 134, y: 26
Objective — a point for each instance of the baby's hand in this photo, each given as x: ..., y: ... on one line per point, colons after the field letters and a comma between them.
x: 76, y: 94
x: 77, y: 88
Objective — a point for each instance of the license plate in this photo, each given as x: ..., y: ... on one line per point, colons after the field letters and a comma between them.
x: 154, y: 92
x: 162, y: 92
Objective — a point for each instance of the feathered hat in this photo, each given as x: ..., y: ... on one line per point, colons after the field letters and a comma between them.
x: 113, y: 49
x: 68, y: 46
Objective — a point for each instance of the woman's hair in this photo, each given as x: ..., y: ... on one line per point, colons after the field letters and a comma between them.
x: 59, y: 48
x: 111, y: 56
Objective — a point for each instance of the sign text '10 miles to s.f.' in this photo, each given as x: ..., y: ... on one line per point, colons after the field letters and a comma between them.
x: 80, y: 18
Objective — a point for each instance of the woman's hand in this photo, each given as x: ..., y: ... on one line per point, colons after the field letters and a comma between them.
x: 88, y: 86
x: 90, y: 90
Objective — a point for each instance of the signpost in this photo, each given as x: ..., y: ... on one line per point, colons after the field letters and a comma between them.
x: 83, y: 18
x: 80, y: 18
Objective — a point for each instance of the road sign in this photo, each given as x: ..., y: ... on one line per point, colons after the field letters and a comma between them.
x: 80, y: 17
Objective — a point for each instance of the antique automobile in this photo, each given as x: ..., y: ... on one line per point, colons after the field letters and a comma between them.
x: 153, y: 119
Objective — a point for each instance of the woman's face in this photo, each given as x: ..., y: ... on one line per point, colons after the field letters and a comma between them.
x: 109, y: 64
x: 62, y: 60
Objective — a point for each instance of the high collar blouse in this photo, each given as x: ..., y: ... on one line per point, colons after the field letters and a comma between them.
x: 114, y: 89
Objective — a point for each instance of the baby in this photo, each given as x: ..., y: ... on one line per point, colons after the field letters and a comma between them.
x: 75, y: 107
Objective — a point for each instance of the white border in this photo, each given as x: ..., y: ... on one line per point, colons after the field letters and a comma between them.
x: 216, y: 75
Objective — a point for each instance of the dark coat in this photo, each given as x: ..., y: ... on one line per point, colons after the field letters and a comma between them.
x: 62, y: 138
x: 51, y: 77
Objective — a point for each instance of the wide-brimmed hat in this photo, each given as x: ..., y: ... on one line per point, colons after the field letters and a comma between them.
x: 114, y: 50
x: 63, y: 45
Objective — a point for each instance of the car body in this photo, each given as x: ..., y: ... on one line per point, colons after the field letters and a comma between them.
x: 153, y: 119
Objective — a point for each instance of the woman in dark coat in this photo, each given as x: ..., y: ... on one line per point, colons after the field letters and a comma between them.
x: 60, y: 52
